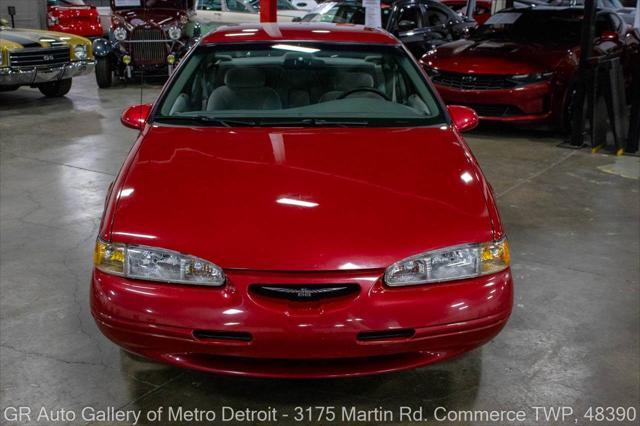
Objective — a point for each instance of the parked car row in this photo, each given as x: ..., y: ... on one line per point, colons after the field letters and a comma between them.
x: 505, y: 69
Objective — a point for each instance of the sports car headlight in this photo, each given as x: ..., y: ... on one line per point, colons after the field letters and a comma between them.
x: 451, y: 263
x: 80, y: 52
x: 120, y: 34
x: 531, y: 78
x: 154, y: 264
x: 174, y: 33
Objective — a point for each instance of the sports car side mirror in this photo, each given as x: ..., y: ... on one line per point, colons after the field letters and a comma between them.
x: 463, y: 118
x: 135, y: 117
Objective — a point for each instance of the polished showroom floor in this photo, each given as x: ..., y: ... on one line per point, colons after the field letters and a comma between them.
x: 571, y: 217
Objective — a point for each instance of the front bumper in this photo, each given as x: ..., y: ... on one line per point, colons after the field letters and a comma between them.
x: 17, y: 76
x: 300, y: 339
x: 525, y: 104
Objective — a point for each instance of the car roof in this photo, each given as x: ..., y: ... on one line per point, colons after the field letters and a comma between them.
x: 300, y: 31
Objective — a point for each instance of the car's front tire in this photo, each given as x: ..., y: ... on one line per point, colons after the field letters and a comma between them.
x: 55, y: 89
x: 104, y: 73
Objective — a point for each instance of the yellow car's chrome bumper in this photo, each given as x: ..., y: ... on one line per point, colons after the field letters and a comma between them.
x: 30, y: 76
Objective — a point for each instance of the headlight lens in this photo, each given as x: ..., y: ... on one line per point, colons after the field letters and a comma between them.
x: 120, y: 34
x: 154, y: 264
x: 174, y: 33
x: 531, y: 78
x: 451, y: 263
x: 80, y: 52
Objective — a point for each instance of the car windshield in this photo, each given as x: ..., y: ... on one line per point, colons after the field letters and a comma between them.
x: 559, y: 27
x: 300, y: 84
x: 158, y: 4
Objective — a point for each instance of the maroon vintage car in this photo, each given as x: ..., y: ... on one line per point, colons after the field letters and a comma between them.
x: 510, y: 70
x: 147, y: 36
x: 74, y: 17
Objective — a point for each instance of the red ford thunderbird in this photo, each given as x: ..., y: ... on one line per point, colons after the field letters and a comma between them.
x: 300, y: 203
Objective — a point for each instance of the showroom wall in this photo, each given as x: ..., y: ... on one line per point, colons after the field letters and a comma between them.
x: 29, y: 13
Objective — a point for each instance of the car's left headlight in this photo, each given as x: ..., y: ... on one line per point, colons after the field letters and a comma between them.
x: 155, y: 264
x: 451, y: 263
x: 531, y: 78
x: 174, y: 33
x: 80, y: 52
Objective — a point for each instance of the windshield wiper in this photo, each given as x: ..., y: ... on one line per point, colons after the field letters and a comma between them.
x: 315, y: 122
x: 207, y: 119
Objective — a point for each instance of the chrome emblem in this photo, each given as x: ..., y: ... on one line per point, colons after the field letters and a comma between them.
x: 469, y: 78
x: 48, y: 57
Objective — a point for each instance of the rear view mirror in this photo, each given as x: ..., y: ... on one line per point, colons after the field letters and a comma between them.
x: 135, y: 117
x: 464, y: 118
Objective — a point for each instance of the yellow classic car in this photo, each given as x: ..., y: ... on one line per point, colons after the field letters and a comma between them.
x: 43, y: 59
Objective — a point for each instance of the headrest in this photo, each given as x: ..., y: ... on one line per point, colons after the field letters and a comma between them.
x: 239, y: 78
x: 353, y: 80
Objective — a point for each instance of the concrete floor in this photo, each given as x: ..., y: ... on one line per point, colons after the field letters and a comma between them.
x: 571, y: 217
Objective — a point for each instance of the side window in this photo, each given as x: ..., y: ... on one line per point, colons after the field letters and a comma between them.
x: 236, y: 6
x: 436, y: 17
x: 409, y: 18
x: 215, y: 5
x: 604, y: 23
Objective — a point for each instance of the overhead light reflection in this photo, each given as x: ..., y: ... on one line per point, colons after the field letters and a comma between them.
x: 299, y: 203
x: 466, y: 177
x: 295, y: 48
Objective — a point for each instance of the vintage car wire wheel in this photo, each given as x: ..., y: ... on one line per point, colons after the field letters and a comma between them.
x: 55, y: 89
x: 104, y: 73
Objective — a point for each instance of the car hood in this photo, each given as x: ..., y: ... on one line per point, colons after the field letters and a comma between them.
x: 19, y: 37
x: 495, y: 57
x: 301, y: 199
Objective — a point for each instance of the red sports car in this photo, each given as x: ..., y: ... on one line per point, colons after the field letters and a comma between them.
x: 74, y: 17
x: 511, y: 70
x: 299, y: 203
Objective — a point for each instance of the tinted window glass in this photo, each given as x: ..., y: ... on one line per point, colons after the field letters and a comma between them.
x: 559, y: 27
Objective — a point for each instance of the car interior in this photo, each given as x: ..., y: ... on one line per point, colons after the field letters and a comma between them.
x: 298, y: 82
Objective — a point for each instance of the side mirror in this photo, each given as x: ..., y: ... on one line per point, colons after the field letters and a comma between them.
x: 406, y: 25
x: 464, y: 118
x: 135, y: 117
x: 609, y: 36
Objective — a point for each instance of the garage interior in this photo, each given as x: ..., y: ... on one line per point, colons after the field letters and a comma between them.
x: 571, y: 215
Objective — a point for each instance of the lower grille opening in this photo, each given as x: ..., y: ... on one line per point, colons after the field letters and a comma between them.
x: 222, y: 335
x: 401, y: 333
x: 304, y: 293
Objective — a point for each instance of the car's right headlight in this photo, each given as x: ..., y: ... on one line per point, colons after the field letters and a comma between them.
x: 448, y: 264
x: 120, y: 34
x: 155, y: 264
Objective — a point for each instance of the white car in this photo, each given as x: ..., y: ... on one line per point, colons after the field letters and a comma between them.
x: 214, y: 13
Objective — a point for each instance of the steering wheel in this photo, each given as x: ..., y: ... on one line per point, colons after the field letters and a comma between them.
x: 364, y: 89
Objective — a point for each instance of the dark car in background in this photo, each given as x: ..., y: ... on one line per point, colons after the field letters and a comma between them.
x: 509, y: 70
x: 420, y: 24
x: 74, y: 17
x: 147, y: 36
